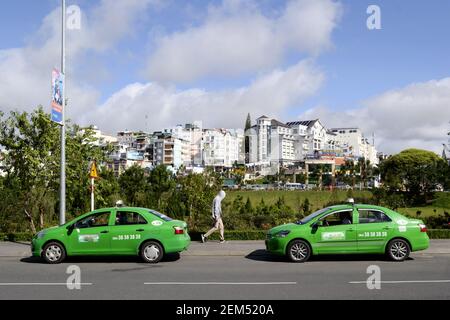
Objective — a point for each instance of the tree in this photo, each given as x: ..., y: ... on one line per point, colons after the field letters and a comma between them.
x: 133, y: 183
x: 160, y: 181
x: 31, y: 144
x: 248, y: 125
x: 414, y: 171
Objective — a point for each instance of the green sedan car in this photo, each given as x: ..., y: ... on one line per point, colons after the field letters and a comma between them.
x: 349, y: 229
x: 113, y: 231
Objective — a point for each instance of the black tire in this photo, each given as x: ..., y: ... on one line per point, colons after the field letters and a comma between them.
x: 54, y: 252
x: 398, y: 250
x: 151, y: 252
x: 298, y: 251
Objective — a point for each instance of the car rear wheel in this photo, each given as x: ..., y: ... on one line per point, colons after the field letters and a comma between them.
x: 398, y: 250
x: 54, y: 253
x: 298, y: 251
x: 151, y: 252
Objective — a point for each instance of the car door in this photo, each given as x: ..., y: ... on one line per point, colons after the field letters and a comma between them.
x: 127, y: 231
x: 336, y: 235
x: 91, y: 234
x: 374, y: 229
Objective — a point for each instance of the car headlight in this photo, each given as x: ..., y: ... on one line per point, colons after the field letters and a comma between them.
x: 40, y: 235
x: 282, y: 233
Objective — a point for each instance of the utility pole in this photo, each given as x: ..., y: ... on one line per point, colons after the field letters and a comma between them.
x: 62, y: 190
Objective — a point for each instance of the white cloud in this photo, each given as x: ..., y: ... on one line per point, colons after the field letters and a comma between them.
x: 417, y: 116
x: 165, y: 106
x: 237, y: 39
x: 25, y: 72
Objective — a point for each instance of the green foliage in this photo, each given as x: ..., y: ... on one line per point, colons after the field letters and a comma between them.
x: 133, y: 184
x: 414, y: 171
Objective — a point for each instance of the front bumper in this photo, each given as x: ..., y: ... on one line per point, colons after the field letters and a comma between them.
x: 36, y: 247
x: 275, y: 245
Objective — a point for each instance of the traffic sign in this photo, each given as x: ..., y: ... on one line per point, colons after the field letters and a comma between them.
x: 93, y: 174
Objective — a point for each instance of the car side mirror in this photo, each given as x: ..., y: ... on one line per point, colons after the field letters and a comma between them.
x: 317, y: 224
x: 70, y: 228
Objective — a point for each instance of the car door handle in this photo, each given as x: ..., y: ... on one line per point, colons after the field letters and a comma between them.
x: 351, y: 229
x: 386, y: 228
x: 140, y: 230
x: 104, y: 231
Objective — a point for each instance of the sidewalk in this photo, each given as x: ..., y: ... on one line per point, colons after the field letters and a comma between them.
x: 213, y: 248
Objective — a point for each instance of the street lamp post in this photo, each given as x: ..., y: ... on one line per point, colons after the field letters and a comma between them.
x: 62, y: 199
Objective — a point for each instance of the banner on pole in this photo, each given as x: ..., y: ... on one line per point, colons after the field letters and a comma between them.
x: 57, y: 96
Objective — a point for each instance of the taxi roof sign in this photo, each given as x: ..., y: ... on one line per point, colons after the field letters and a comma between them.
x: 93, y: 174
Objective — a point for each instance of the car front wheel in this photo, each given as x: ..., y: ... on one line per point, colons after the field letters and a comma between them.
x: 398, y: 250
x: 151, y: 252
x: 54, y: 253
x: 298, y: 251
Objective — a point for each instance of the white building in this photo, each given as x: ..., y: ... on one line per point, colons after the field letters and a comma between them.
x: 271, y: 142
x: 222, y: 147
x: 355, y: 145
x: 310, y: 136
x: 192, y: 134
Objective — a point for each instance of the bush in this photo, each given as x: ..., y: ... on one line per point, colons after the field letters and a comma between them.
x: 19, y: 236
x: 232, y: 235
x: 439, y: 233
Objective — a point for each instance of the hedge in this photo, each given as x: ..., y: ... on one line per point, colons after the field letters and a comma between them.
x: 229, y: 235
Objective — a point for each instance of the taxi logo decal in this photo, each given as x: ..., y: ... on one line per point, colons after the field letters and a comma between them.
x: 333, y: 236
x: 157, y: 223
x: 88, y: 238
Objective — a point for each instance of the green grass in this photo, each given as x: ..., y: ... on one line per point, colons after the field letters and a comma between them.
x: 317, y: 199
x: 427, y: 211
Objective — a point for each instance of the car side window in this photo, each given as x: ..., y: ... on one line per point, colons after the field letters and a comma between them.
x: 129, y: 218
x: 100, y: 219
x: 372, y: 216
x: 338, y: 218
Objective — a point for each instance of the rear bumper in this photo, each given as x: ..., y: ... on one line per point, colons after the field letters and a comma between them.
x: 420, y: 243
x: 177, y: 244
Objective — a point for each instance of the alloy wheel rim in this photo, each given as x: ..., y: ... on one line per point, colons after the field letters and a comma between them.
x: 299, y: 251
x: 399, y: 250
x: 53, y: 253
x: 151, y: 252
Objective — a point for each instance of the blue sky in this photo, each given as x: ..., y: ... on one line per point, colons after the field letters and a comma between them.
x: 348, y: 68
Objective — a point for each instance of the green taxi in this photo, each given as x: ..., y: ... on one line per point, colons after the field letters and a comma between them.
x: 349, y: 229
x: 113, y: 231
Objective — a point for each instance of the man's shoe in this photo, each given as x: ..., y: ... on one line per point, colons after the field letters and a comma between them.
x: 222, y: 241
x: 203, y: 238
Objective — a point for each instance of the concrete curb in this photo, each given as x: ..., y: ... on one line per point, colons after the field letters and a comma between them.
x: 214, y: 248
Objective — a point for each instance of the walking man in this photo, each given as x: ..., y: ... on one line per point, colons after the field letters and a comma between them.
x: 217, y: 216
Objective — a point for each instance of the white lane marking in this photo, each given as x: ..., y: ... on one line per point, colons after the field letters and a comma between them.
x: 220, y: 283
x: 42, y: 284
x: 406, y: 281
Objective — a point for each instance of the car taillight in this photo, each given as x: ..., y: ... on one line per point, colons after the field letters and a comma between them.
x: 179, y: 230
x: 423, y: 228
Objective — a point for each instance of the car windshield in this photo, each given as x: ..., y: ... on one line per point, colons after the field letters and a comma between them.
x: 160, y: 215
x: 312, y: 216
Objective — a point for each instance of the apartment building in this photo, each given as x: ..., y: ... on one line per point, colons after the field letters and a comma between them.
x: 223, y: 147
x: 354, y: 144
